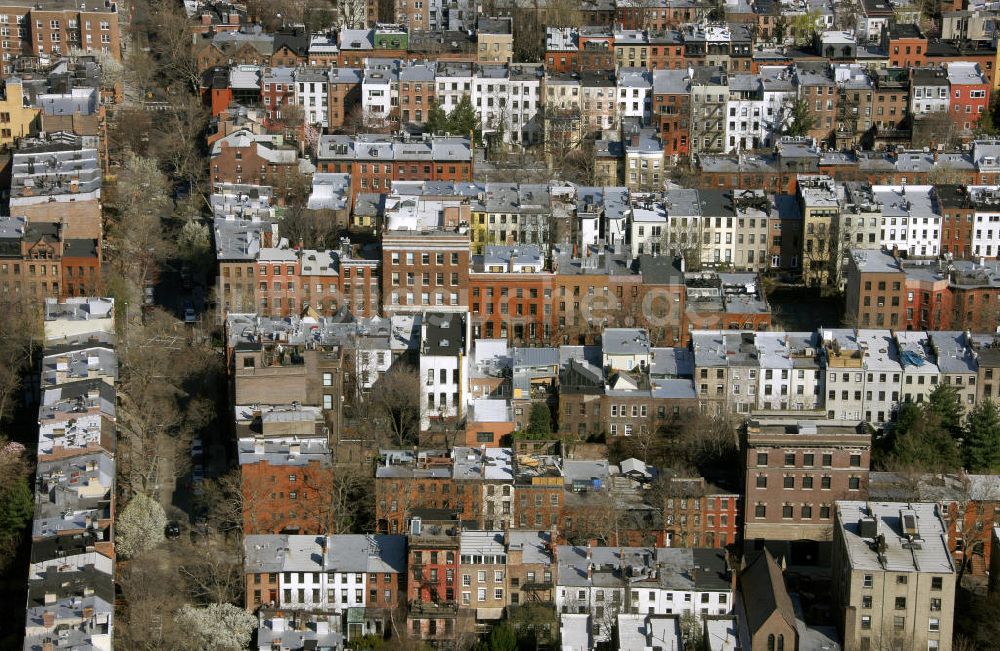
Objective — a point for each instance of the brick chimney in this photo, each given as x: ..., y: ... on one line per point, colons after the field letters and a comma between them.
x: 48, y: 619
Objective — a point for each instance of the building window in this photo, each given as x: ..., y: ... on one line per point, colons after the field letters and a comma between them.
x: 760, y: 511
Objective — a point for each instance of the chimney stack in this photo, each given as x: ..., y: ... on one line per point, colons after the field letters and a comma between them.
x: 48, y: 619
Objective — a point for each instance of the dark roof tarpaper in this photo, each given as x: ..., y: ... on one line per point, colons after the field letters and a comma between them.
x: 762, y: 587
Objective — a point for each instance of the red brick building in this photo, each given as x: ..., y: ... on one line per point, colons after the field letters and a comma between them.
x: 244, y: 158
x: 375, y: 161
x: 671, y: 111
x: 906, y: 44
x: 699, y: 514
x: 424, y: 270
x: 289, y: 497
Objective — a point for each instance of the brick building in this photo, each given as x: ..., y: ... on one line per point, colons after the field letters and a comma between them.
x: 699, y: 514
x: 54, y: 27
x: 795, y: 471
x: 245, y: 158
x: 375, y: 161
x: 287, y: 485
x: 425, y: 269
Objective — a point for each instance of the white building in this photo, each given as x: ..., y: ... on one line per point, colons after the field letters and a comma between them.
x: 910, y: 219
x: 454, y: 80
x: 444, y: 352
x: 311, y: 94
x: 634, y: 91
x: 321, y: 572
x: 648, y: 227
x: 986, y: 229
x: 379, y: 91
x: 525, y: 102
x: 605, y: 582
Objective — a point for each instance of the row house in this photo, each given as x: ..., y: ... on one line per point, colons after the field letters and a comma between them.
x: 922, y: 295
x: 249, y: 46
x: 507, y: 100
x: 334, y: 572
x: 290, y: 281
x: 243, y: 223
x: 748, y: 372
x: 375, y: 161
x: 70, y: 578
x: 245, y: 158
x: 38, y: 261
x: 286, y: 475
x: 607, y: 581
x: 863, y: 375
x: 699, y: 514
x: 510, y: 294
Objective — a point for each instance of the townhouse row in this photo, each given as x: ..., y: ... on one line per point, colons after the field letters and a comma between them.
x: 71, y: 589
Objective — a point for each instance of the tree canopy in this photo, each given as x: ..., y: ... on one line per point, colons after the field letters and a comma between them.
x: 140, y: 526
x: 982, y: 438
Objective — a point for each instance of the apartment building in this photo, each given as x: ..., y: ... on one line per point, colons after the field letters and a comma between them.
x: 54, y: 27
x: 425, y: 269
x: 794, y: 472
x: 893, y: 576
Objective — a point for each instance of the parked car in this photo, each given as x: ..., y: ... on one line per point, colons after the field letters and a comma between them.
x: 197, y: 448
x: 172, y: 531
x: 189, y: 313
x: 148, y: 295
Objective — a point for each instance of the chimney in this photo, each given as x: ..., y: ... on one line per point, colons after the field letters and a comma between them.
x: 88, y: 612
x: 48, y: 618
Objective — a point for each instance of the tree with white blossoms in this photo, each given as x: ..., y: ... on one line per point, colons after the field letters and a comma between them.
x: 140, y: 526
x: 217, y: 626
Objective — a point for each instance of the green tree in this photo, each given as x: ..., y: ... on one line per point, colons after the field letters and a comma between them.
x: 800, y: 120
x: 947, y: 404
x: 539, y: 421
x: 982, y: 438
x: 501, y: 638
x: 16, y: 508
x: 987, y: 125
x: 920, y: 442
x: 462, y: 119
x: 437, y: 120
x: 803, y: 26
x: 780, y: 29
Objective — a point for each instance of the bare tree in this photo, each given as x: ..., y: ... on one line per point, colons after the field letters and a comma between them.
x: 140, y: 197
x: 394, y: 404
x: 171, y: 44
x: 20, y: 327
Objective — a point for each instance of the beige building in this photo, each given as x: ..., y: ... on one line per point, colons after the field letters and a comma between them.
x: 893, y: 576
x: 495, y: 40
x: 820, y: 209
x: 16, y: 119
x: 483, y: 570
